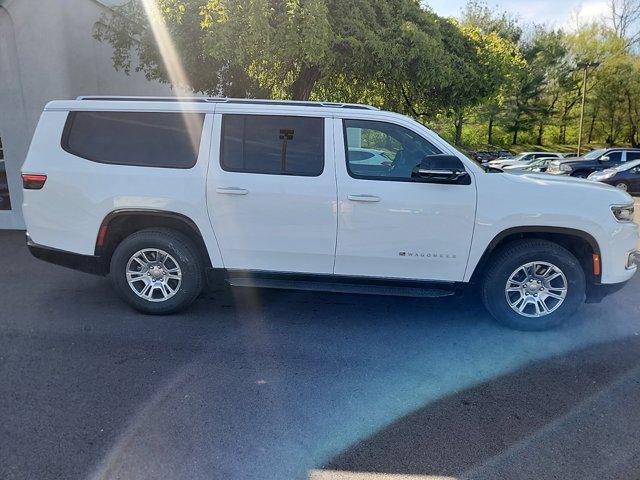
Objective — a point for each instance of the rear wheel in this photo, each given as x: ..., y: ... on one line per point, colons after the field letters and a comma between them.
x: 157, y: 271
x: 533, y: 285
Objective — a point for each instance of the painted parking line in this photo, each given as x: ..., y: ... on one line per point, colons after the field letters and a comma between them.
x: 341, y: 475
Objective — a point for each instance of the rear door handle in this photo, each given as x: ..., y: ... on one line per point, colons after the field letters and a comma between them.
x: 232, y: 190
x: 363, y: 198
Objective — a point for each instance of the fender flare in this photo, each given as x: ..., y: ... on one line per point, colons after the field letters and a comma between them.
x: 527, y: 229
x: 212, y: 257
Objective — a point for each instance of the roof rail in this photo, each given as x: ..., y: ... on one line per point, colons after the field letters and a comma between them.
x: 248, y: 101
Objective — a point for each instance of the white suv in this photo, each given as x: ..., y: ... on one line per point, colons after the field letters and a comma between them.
x: 165, y: 194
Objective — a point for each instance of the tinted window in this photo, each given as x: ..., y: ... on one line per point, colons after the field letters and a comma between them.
x: 276, y: 145
x: 149, y: 139
x: 401, y: 149
x: 633, y: 156
x: 614, y: 156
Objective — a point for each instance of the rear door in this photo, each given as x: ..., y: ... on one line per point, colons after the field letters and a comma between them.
x: 271, y: 190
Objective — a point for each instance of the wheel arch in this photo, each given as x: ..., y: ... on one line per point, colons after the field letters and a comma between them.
x: 580, y: 243
x: 119, y: 224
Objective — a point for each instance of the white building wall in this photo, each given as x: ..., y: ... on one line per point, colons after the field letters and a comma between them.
x: 47, y: 52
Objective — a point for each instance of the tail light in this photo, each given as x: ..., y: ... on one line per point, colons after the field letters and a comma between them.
x: 32, y: 181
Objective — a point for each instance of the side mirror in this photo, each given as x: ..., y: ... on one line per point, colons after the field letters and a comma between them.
x: 441, y: 169
x: 604, y: 159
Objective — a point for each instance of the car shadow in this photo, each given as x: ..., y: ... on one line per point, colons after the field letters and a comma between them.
x: 574, y: 415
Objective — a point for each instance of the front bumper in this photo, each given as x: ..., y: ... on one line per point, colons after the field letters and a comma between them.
x: 75, y: 261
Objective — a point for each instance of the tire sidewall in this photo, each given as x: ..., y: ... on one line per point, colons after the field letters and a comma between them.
x: 175, y: 244
x: 494, y: 288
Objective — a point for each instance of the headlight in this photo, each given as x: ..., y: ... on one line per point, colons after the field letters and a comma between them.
x: 603, y: 175
x: 623, y: 213
x: 565, y: 168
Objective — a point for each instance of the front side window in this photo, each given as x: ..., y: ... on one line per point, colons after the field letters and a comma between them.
x: 273, y: 145
x: 147, y: 139
x: 396, y: 152
x: 615, y: 156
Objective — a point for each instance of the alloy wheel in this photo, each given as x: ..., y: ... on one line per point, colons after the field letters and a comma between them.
x: 536, y: 289
x: 153, y: 274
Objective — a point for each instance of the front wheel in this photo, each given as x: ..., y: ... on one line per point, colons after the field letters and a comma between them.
x: 157, y: 271
x: 622, y: 186
x: 533, y: 285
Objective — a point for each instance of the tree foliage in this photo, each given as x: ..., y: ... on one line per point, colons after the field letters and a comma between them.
x: 484, y: 72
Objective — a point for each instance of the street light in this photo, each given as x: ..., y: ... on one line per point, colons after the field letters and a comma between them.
x: 586, y: 66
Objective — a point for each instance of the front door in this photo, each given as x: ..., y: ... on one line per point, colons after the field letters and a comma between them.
x: 390, y: 225
x: 271, y: 192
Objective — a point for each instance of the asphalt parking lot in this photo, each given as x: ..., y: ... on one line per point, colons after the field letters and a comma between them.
x: 296, y: 385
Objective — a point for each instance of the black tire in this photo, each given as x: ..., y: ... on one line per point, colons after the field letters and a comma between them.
x: 513, y: 255
x: 186, y: 255
x: 580, y: 174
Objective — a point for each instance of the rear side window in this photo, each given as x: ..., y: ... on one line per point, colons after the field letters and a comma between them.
x: 147, y: 139
x: 273, y: 144
x: 633, y: 156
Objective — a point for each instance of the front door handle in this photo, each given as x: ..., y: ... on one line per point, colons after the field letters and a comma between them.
x: 363, y: 198
x: 232, y: 190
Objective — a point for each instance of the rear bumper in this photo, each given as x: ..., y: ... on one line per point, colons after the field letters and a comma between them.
x: 75, y: 261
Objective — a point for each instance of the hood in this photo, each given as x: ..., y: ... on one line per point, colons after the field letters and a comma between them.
x: 578, y: 185
x: 572, y: 160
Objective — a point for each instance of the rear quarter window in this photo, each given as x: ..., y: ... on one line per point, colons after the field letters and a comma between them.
x: 147, y: 139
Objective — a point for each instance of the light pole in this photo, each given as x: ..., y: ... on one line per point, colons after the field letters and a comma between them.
x: 586, y: 66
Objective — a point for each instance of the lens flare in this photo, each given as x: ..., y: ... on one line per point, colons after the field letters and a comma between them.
x: 176, y: 73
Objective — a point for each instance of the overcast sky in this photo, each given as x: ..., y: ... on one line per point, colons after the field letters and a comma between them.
x: 553, y: 12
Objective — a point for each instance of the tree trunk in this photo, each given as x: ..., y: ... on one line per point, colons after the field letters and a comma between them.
x: 459, y: 121
x: 303, y: 85
x: 591, y: 127
x: 563, y: 132
x: 540, y: 134
x: 515, y: 136
x: 592, y: 124
x: 633, y: 137
x: 633, y: 130
x: 490, y: 131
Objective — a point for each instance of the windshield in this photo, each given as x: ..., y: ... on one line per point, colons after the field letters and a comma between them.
x: 594, y: 154
x: 537, y: 163
x: 627, y: 166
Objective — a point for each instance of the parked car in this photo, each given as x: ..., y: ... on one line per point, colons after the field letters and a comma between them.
x: 570, y: 155
x: 594, y: 161
x: 522, y: 159
x: 368, y: 156
x: 538, y: 165
x: 165, y: 194
x: 484, y: 156
x: 504, y: 154
x: 625, y: 176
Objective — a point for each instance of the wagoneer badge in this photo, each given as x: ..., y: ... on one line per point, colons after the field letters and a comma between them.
x: 427, y: 255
